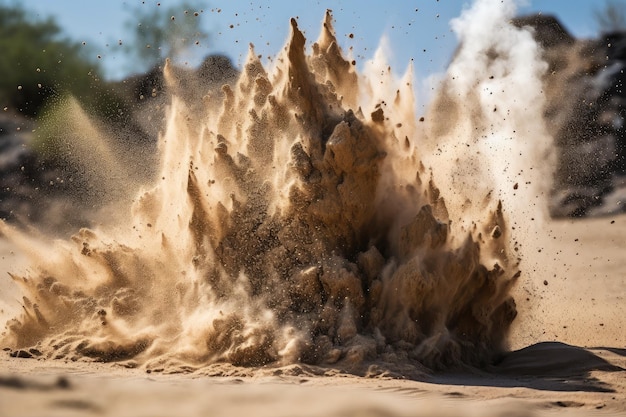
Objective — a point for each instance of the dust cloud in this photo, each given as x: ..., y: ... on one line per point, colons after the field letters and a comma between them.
x: 305, y: 215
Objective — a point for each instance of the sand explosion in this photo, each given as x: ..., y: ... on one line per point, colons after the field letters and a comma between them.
x: 294, y: 219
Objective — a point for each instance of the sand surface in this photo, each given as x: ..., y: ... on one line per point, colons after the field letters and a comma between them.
x: 286, y: 228
x: 570, y: 359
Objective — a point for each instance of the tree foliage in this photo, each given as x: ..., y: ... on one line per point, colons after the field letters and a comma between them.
x: 39, y: 62
x: 611, y: 17
x: 161, y: 32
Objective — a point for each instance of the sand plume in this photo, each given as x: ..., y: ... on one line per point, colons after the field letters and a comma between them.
x: 295, y: 218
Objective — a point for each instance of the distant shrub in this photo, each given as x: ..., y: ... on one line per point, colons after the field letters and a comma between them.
x: 38, y: 62
x: 611, y: 17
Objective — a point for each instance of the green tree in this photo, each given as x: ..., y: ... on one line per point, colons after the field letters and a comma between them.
x: 161, y: 32
x: 611, y: 17
x: 39, y: 62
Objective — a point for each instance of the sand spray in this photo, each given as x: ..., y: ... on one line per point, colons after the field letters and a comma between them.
x: 304, y: 214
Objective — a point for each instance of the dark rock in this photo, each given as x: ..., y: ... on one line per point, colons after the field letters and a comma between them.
x: 21, y: 354
x: 585, y: 113
x: 549, y: 31
x: 34, y: 352
x: 31, y: 188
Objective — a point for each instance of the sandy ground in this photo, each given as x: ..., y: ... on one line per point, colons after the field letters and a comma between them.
x: 569, y: 357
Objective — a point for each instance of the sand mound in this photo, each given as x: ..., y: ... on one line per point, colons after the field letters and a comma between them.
x: 553, y: 359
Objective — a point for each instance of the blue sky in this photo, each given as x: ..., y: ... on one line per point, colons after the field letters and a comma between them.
x: 417, y: 30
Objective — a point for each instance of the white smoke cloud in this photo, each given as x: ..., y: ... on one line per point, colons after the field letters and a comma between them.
x: 494, y: 135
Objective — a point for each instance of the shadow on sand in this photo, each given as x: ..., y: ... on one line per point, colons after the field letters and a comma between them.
x: 551, y: 366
